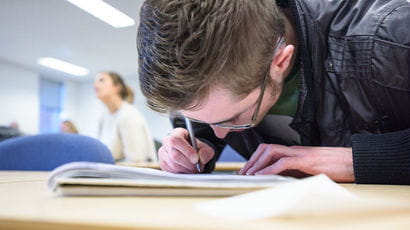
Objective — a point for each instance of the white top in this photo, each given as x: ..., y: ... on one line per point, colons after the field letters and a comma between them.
x: 126, y: 134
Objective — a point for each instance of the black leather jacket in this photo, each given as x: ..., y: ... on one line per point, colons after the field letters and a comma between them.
x: 355, y: 83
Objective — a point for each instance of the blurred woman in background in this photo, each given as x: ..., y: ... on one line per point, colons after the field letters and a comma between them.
x: 122, y: 128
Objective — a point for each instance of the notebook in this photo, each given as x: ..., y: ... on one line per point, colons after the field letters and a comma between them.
x: 97, y: 179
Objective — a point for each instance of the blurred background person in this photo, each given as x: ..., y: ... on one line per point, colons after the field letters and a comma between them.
x: 14, y: 125
x: 122, y: 127
x: 68, y: 126
x: 10, y: 131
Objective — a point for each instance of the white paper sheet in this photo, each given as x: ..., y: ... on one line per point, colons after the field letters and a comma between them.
x: 311, y: 195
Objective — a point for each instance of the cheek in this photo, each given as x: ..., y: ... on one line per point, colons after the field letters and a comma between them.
x: 105, y: 88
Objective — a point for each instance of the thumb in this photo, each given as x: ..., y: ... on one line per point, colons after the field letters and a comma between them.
x: 206, y: 152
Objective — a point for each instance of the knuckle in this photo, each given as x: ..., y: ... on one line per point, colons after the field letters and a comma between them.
x: 261, y: 146
x: 178, y: 132
x: 282, y: 161
x: 173, y: 141
x: 162, y: 151
x: 209, y: 155
x: 174, y: 155
x: 174, y: 166
x: 163, y: 165
x: 166, y: 140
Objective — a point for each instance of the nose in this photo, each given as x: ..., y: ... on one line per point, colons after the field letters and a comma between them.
x: 220, y: 132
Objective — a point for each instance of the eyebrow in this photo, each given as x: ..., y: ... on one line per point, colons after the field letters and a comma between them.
x: 217, y: 123
x: 235, y: 116
x: 227, y: 120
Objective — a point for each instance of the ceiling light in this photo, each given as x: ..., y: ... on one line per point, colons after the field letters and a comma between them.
x: 63, y: 66
x: 104, y: 12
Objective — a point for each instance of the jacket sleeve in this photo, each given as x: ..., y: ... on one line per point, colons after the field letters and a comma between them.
x: 382, y: 158
x: 205, y: 134
x: 385, y: 158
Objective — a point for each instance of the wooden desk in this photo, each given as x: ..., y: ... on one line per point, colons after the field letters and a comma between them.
x: 26, y: 203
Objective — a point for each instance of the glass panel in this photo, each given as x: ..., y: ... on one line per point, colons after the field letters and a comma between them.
x: 50, y: 106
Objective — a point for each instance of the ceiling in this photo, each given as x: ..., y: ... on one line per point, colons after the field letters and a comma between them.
x: 56, y: 28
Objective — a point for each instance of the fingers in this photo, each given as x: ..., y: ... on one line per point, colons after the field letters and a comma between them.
x: 255, y: 156
x: 167, y: 163
x: 265, y: 159
x: 206, y: 153
x: 265, y: 155
x: 179, y: 141
x: 273, y: 158
x: 283, y: 164
x: 178, y: 156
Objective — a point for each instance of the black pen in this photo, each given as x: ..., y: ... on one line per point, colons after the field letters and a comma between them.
x: 193, y: 141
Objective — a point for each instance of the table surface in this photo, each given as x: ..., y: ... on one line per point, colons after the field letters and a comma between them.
x: 26, y: 203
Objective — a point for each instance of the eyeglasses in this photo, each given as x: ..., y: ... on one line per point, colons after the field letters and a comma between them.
x: 252, y: 123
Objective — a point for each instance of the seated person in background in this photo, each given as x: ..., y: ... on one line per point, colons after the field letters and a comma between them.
x: 68, y: 126
x: 122, y: 128
x: 14, y: 125
x: 9, y: 131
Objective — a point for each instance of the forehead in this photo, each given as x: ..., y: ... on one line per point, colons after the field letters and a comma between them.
x: 220, y: 105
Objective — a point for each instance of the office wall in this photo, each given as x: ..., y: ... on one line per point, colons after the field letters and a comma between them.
x: 82, y: 107
x: 19, y: 100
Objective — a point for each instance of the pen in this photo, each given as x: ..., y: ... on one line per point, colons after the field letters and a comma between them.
x: 193, y: 141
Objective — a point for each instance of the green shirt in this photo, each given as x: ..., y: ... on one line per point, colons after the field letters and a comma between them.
x: 287, y: 103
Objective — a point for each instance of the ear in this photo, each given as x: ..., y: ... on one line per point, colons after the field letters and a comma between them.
x: 281, y: 61
x: 117, y: 88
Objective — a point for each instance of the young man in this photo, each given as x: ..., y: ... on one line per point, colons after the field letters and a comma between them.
x: 296, y: 87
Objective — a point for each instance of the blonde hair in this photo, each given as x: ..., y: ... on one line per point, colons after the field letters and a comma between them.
x: 126, y: 92
x: 130, y: 94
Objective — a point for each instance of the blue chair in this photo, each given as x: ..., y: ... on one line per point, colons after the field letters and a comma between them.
x: 45, y: 152
x: 230, y: 155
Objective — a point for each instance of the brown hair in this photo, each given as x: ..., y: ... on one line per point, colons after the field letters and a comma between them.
x: 71, y: 126
x: 185, y: 46
x: 126, y: 93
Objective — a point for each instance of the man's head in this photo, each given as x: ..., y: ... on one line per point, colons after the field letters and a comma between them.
x: 187, y: 48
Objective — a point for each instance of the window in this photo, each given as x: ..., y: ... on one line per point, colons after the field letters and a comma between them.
x: 51, y: 94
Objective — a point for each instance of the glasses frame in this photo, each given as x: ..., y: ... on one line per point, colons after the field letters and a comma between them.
x: 258, y: 102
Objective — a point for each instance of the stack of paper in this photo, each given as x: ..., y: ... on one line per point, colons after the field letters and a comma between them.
x: 90, y: 179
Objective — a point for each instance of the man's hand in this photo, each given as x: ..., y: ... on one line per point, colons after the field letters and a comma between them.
x: 335, y: 162
x: 176, y: 154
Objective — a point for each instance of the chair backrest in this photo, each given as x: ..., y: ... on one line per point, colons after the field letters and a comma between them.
x: 47, y: 151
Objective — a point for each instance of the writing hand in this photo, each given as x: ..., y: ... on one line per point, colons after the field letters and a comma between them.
x: 176, y: 154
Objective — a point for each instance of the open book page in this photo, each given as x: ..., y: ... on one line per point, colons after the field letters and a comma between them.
x: 103, y: 177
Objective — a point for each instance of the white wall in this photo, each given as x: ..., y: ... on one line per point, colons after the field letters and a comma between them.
x: 19, y: 100
x: 82, y: 107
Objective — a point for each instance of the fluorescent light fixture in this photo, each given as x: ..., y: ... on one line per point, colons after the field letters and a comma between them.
x: 63, y: 66
x: 104, y: 12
